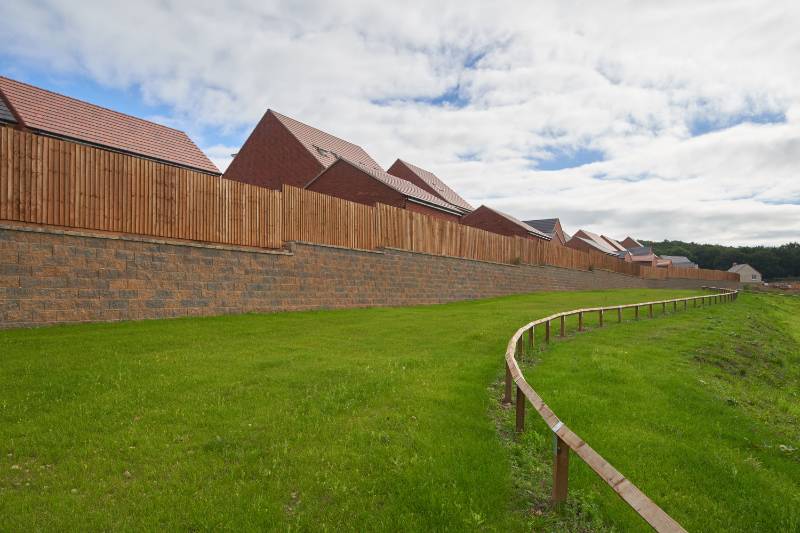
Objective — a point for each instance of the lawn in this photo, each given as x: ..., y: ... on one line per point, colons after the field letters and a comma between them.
x: 386, y: 419
x: 701, y: 410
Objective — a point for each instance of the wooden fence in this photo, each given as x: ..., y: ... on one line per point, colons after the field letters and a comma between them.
x: 61, y: 183
x: 322, y: 219
x: 50, y: 181
x: 564, y: 438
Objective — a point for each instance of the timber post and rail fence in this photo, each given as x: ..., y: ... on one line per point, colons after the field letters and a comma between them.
x: 566, y: 439
x: 68, y: 185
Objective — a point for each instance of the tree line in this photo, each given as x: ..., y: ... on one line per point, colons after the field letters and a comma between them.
x: 774, y: 262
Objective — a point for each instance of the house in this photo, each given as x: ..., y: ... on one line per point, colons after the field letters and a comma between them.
x: 428, y: 181
x: 586, y: 240
x: 368, y: 185
x: 551, y: 227
x: 282, y: 150
x: 747, y: 274
x: 630, y: 242
x: 44, y: 112
x: 497, y: 222
x: 680, y: 261
x: 643, y: 255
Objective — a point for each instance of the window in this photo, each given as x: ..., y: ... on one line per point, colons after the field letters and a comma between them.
x: 752, y: 276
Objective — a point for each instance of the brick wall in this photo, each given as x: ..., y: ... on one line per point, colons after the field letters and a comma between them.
x: 48, y: 276
x: 271, y: 157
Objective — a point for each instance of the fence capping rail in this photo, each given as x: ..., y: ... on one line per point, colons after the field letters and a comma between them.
x: 566, y: 439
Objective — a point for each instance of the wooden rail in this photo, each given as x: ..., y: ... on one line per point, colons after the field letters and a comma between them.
x: 566, y: 439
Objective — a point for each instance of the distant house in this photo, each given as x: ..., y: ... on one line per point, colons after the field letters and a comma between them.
x: 551, y: 227
x: 643, y: 255
x: 51, y: 114
x: 498, y: 222
x: 680, y: 261
x: 630, y: 242
x: 353, y: 181
x: 747, y: 274
x: 282, y: 150
x: 586, y: 240
x: 428, y: 181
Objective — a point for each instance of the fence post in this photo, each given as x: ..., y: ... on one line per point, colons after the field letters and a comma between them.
x: 530, y: 338
x: 685, y: 305
x: 600, y: 315
x: 562, y: 325
x: 520, y: 410
x: 650, y: 310
x: 547, y: 332
x: 619, y: 314
x: 560, y: 470
x: 637, y: 312
x: 580, y: 321
x: 675, y: 306
x: 507, y: 394
x: 663, y: 308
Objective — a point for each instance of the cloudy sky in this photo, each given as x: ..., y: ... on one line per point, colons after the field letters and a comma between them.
x: 676, y: 119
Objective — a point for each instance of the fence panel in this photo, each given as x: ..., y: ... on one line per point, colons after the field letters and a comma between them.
x: 322, y: 219
x: 50, y: 181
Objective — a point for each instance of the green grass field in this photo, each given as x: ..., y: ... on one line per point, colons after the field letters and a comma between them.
x: 387, y: 419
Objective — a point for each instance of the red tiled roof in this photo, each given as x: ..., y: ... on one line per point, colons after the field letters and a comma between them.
x: 521, y: 224
x: 404, y: 187
x: 442, y: 190
x: 614, y: 243
x: 325, y: 147
x: 594, y: 240
x: 56, y: 114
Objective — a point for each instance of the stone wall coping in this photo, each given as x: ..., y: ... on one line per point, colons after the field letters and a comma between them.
x: 91, y: 234
x: 336, y: 247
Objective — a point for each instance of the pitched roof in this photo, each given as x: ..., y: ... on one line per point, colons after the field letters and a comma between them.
x: 404, y: 187
x: 614, y: 243
x: 521, y: 224
x: 62, y: 116
x: 594, y: 240
x: 441, y: 188
x: 545, y: 225
x: 740, y: 267
x: 325, y: 147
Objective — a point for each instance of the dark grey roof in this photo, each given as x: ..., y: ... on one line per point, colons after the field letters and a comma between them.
x: 641, y: 250
x: 545, y: 225
x: 679, y: 260
x: 5, y: 113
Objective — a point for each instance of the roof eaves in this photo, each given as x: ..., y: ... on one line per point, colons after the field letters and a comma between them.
x: 452, y: 210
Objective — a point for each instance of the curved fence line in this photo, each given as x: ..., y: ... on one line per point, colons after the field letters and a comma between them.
x: 565, y: 438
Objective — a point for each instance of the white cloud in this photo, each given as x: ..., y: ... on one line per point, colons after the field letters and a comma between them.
x: 629, y: 79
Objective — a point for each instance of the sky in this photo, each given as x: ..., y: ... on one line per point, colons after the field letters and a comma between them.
x: 676, y: 120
